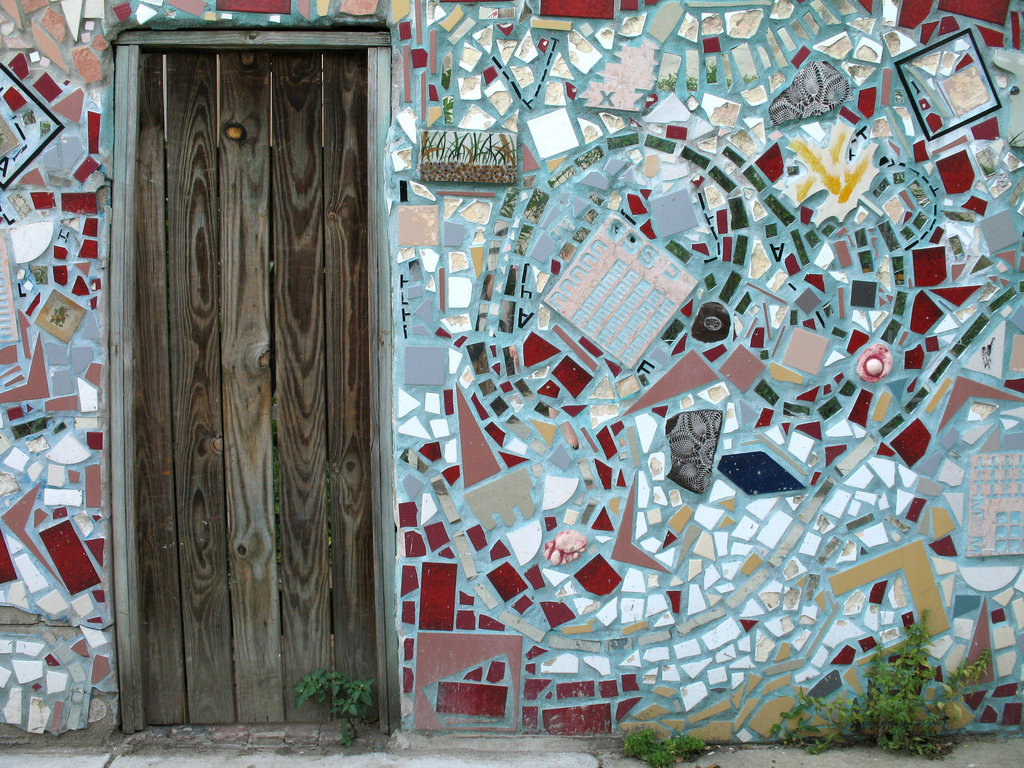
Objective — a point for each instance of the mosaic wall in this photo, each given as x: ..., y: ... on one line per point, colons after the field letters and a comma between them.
x: 726, y: 387
x: 56, y: 643
x: 709, y: 353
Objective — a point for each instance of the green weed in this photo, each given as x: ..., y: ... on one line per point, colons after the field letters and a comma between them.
x: 904, y: 709
x: 661, y: 753
x: 350, y: 699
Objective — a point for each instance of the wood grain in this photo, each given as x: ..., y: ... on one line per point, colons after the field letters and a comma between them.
x: 246, y: 384
x: 118, y: 473
x: 348, y: 364
x: 192, y: 218
x: 164, y: 670
x: 382, y: 349
x: 297, y: 227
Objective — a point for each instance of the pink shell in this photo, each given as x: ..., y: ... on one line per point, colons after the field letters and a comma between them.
x: 875, y: 363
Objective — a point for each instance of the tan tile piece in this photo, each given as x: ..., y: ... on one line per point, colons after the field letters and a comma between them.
x: 942, y: 522
x: 881, y: 405
x: 714, y: 709
x: 783, y: 653
x: 679, y: 520
x: 779, y: 682
x: 939, y: 395
x: 744, y: 713
x: 752, y: 564
x: 651, y: 712
x: 769, y: 714
x: 636, y: 626
x: 665, y: 692
x: 579, y: 629
x: 853, y: 680
x: 547, y: 431
x: 715, y: 731
x: 912, y: 560
x: 780, y: 373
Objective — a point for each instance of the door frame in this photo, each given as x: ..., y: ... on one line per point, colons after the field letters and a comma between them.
x: 120, y: 299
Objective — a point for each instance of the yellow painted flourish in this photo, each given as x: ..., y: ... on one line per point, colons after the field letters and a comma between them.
x: 828, y: 168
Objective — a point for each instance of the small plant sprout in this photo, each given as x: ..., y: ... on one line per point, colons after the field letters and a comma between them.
x: 350, y: 699
x: 661, y: 753
x: 907, y: 705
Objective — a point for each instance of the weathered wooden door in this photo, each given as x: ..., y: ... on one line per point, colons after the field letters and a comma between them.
x: 252, y: 497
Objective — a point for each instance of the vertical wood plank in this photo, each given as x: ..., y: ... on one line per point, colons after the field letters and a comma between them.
x: 297, y: 228
x: 348, y: 364
x: 195, y: 377
x: 246, y: 384
x: 118, y: 463
x: 163, y: 677
x: 385, y: 512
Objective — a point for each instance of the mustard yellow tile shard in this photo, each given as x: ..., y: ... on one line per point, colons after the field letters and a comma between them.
x: 912, y: 560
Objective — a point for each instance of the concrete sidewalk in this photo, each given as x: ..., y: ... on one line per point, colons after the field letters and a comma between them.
x: 161, y: 749
x: 154, y: 749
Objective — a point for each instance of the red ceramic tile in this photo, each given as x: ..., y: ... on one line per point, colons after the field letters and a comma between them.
x: 557, y: 613
x: 507, y: 581
x: 47, y: 88
x: 572, y: 375
x: 956, y: 172
x: 929, y: 266
x: 495, y: 671
x: 7, y: 572
x: 845, y: 656
x: 923, y: 314
x: 578, y: 721
x: 437, y: 536
x: 437, y: 596
x: 992, y: 11
x: 477, y: 699
x: 913, y: 12
x: 579, y: 9
x: 575, y: 689
x: 78, y: 202
x: 598, y: 577
x: 534, y: 686
x: 912, y: 442
x: 414, y: 546
x: 69, y: 557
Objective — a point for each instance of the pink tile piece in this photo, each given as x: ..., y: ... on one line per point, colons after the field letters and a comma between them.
x: 964, y: 390
x: 742, y: 368
x: 478, y: 461
x: 689, y: 372
x: 16, y: 519
x: 625, y: 551
x: 440, y: 654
